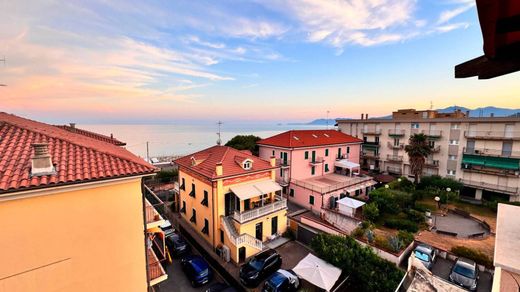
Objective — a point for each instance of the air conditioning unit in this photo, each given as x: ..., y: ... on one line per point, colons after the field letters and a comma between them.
x: 226, y: 254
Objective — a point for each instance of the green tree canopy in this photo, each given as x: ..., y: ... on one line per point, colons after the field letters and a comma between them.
x: 418, y: 150
x: 244, y: 142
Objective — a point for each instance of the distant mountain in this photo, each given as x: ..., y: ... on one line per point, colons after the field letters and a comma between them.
x: 317, y: 122
x: 483, y: 111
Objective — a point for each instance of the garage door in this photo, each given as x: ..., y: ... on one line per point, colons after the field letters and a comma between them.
x: 305, y: 235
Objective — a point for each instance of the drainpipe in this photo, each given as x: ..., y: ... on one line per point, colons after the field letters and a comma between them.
x: 145, y: 234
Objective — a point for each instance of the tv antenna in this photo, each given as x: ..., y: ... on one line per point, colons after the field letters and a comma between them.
x: 327, y: 119
x: 219, y: 140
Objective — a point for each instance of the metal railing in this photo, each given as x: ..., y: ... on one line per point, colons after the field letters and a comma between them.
x: 432, y: 133
x: 316, y: 160
x: 431, y: 162
x: 491, y: 152
x: 371, y: 131
x: 396, y: 132
x: 283, y: 182
x: 489, y: 186
x: 393, y: 169
x: 502, y: 135
x: 394, y: 157
x: 238, y: 240
x: 279, y: 204
x: 370, y: 154
x: 155, y: 269
x: 436, y: 149
x: 324, y: 190
x: 371, y: 143
x: 392, y: 146
x: 283, y: 162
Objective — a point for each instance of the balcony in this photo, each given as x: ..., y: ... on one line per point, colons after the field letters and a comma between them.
x: 156, y: 273
x: 493, y: 165
x: 432, y: 134
x: 491, y: 152
x: 396, y: 132
x: 239, y: 239
x: 316, y: 160
x: 490, y: 187
x: 492, y: 135
x: 392, y: 146
x: 283, y: 163
x: 370, y: 143
x: 283, y: 181
x: 432, y: 163
x: 436, y: 149
x: 278, y: 204
x: 395, y: 158
x: 371, y: 131
x: 372, y: 155
x: 394, y: 170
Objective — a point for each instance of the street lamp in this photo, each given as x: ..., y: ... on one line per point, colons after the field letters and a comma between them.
x: 448, y: 190
x: 438, y: 200
x: 387, y: 186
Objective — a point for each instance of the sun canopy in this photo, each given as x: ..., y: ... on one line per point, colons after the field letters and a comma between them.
x: 345, y: 163
x: 317, y: 271
x: 351, y: 203
x: 248, y: 191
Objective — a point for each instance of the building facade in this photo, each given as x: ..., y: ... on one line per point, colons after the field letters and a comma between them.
x: 481, y: 152
x: 72, y: 212
x: 316, y: 165
x: 231, y: 199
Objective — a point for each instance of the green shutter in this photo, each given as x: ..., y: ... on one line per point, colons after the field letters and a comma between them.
x: 312, y: 170
x: 326, y: 168
x: 311, y: 200
x: 326, y: 152
x: 306, y: 154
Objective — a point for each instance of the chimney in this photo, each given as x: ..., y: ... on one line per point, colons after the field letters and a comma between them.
x: 362, y: 116
x: 72, y: 125
x: 492, y: 115
x: 218, y: 170
x: 366, y: 116
x: 467, y: 114
x: 41, y: 163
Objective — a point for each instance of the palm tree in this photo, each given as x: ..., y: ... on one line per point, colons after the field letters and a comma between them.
x: 418, y: 150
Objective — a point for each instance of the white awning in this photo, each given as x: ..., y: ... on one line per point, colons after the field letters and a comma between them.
x: 351, y: 203
x: 318, y: 272
x: 370, y: 183
x: 345, y: 163
x: 248, y: 191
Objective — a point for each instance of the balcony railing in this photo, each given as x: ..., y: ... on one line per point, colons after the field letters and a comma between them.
x: 283, y: 181
x: 370, y: 155
x: 432, y: 163
x: 237, y: 239
x: 436, y: 149
x: 279, y: 204
x: 284, y: 163
x: 316, y: 160
x: 432, y: 133
x: 371, y: 131
x: 490, y: 170
x: 490, y: 187
x: 359, y: 182
x: 393, y: 169
x: 152, y: 216
x: 396, y: 132
x: 398, y: 158
x: 392, y: 146
x: 491, y: 152
x: 156, y: 273
x: 371, y: 143
x: 493, y: 135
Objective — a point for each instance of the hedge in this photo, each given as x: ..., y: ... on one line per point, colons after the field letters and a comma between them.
x: 402, y: 224
x: 472, y: 254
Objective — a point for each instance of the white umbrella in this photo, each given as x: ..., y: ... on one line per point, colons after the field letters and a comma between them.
x: 317, y: 272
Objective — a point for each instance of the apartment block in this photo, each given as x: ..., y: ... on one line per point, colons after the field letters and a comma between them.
x: 481, y: 152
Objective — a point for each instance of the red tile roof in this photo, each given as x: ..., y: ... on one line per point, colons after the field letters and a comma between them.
x: 77, y: 158
x: 90, y: 134
x: 207, y: 160
x: 308, y: 138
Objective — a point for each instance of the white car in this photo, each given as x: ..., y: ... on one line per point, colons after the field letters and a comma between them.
x: 167, y: 228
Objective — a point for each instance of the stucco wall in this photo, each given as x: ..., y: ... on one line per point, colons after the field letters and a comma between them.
x: 82, y: 240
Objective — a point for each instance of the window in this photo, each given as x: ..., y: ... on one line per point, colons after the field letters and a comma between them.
x: 415, y: 125
x: 365, y: 139
x: 377, y: 140
x: 247, y: 164
x: 183, y: 185
x: 273, y: 152
x: 455, y: 126
x: 326, y: 167
x: 311, y: 200
x: 205, y: 200
x: 396, y: 142
x: 192, y: 193
x: 183, y: 209
x: 454, y: 142
x: 281, y: 172
x: 507, y: 148
x: 451, y: 172
x: 205, y: 229
x: 339, y: 152
x: 326, y: 152
x: 221, y: 235
x: 313, y: 170
x: 291, y: 192
x: 452, y: 157
x: 306, y: 154
x: 431, y: 143
x: 193, y: 218
x: 348, y: 149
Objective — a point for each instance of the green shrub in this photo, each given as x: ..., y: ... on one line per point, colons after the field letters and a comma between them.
x: 472, y: 254
x: 415, y: 216
x: 421, y: 207
x: 370, y: 235
x: 166, y: 175
x: 366, y: 225
x: 358, y: 232
x: 439, y: 182
x: 370, y: 211
x: 402, y: 224
x: 405, y: 236
x: 382, y: 242
x: 395, y: 243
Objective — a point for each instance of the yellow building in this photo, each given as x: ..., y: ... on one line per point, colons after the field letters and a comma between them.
x: 231, y: 199
x: 72, y: 213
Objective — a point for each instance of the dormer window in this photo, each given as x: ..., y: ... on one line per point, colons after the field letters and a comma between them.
x: 193, y: 161
x: 247, y: 164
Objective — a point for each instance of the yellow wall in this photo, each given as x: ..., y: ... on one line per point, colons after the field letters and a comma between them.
x: 250, y: 226
x: 94, y: 237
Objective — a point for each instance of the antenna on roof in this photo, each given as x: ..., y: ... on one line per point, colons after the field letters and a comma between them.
x: 3, y: 60
x: 328, y: 119
x: 219, y: 140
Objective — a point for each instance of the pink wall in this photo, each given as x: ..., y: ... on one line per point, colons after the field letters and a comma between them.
x: 301, y: 198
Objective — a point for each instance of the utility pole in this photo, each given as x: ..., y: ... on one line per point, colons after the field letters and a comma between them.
x: 147, y: 152
x: 219, y: 140
x: 3, y: 60
x: 327, y: 120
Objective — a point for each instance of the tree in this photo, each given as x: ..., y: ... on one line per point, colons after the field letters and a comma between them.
x: 371, y: 212
x: 245, y: 142
x: 418, y: 150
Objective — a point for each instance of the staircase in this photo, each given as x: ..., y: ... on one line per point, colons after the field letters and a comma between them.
x: 237, y: 239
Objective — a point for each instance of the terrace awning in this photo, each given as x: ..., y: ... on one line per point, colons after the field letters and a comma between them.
x: 490, y: 161
x: 318, y: 272
x: 251, y: 190
x: 267, y: 186
x: 344, y: 163
x: 351, y: 203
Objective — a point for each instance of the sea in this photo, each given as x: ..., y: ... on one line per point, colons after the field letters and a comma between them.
x: 183, y: 138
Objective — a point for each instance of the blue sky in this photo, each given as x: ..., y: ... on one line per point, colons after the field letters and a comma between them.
x: 120, y: 61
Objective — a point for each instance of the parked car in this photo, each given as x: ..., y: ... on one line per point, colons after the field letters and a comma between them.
x: 259, y: 267
x: 426, y: 254
x: 465, y: 273
x: 167, y: 228
x: 176, y: 244
x: 196, y: 269
x: 220, y: 287
x: 282, y: 281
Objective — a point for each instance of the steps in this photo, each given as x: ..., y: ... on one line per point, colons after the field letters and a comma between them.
x: 237, y: 239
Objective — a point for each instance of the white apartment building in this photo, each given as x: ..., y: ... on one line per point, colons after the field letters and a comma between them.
x: 481, y: 152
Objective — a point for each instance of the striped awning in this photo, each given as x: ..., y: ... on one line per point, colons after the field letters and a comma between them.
x: 251, y: 190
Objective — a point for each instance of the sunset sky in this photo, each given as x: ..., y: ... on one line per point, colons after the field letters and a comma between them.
x: 155, y: 61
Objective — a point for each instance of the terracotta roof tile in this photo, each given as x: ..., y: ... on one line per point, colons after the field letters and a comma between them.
x: 308, y: 138
x: 76, y: 157
x: 208, y: 158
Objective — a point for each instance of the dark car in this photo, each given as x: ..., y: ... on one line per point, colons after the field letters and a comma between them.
x: 196, y: 269
x: 259, y: 267
x: 465, y: 273
x: 282, y: 281
x: 426, y: 254
x: 176, y: 244
x: 220, y: 287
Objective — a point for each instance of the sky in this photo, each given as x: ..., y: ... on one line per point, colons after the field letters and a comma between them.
x: 159, y: 61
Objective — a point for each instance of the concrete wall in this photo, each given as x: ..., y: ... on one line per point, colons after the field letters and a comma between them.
x: 89, y: 239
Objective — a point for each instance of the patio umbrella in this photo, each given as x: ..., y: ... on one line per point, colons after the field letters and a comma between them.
x: 317, y: 271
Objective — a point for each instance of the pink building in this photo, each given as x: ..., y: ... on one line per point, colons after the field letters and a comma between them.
x: 318, y: 167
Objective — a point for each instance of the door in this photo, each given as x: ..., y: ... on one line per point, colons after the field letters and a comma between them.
x: 470, y: 146
x: 228, y: 204
x: 313, y: 156
x: 258, y: 229
x: 242, y: 254
x: 247, y: 203
x: 285, y: 158
x: 274, y: 225
x: 509, y: 130
x: 507, y: 148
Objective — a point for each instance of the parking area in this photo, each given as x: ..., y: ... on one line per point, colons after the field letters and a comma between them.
x: 442, y: 268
